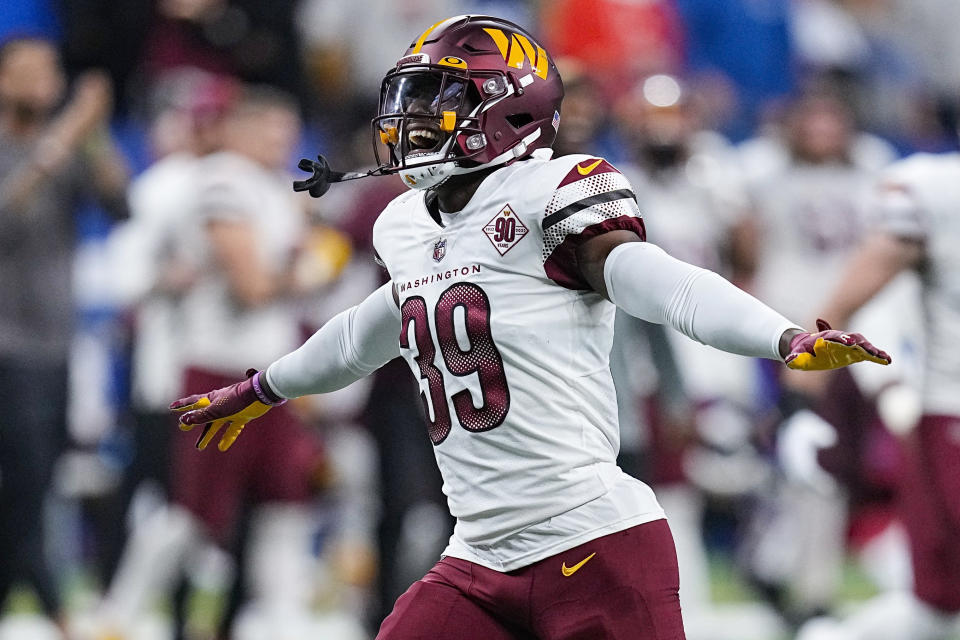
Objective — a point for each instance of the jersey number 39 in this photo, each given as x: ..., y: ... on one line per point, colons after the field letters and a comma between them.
x: 479, y: 356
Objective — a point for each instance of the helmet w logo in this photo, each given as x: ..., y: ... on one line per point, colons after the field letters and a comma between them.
x: 518, y: 49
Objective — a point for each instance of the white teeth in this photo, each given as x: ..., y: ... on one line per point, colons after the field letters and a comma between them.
x: 425, y: 133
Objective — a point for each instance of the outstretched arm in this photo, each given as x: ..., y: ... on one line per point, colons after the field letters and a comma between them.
x: 350, y: 346
x: 644, y: 281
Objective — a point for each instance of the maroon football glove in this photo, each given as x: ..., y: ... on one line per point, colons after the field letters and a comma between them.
x: 232, y: 406
x: 831, y: 349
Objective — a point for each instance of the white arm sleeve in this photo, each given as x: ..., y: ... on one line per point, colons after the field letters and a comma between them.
x: 647, y: 283
x: 352, y: 345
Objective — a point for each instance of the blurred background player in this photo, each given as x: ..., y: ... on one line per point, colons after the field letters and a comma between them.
x: 586, y: 118
x: 808, y: 180
x: 683, y: 168
x: 152, y: 275
x: 916, y: 228
x: 240, y: 306
x: 50, y: 160
x: 696, y: 207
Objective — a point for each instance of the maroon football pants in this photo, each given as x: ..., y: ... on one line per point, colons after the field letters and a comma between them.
x: 623, y: 585
x: 930, y: 507
x: 275, y: 460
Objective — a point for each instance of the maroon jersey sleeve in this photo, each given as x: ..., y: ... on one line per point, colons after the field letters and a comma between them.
x: 592, y: 199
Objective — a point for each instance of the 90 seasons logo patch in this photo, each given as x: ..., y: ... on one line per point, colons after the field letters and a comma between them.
x: 505, y: 230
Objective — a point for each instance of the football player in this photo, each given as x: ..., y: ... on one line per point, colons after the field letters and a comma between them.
x: 918, y: 229
x: 694, y: 203
x: 809, y: 199
x: 505, y: 269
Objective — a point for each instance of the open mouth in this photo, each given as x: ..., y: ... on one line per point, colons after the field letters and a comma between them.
x: 423, y: 138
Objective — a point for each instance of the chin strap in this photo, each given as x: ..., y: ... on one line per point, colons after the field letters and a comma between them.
x: 318, y: 183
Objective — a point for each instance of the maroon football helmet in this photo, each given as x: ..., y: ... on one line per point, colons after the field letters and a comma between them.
x: 471, y: 92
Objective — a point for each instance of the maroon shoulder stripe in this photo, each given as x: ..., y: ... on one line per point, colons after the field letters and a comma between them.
x: 562, y: 266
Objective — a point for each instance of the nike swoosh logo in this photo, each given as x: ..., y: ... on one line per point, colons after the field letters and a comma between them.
x: 569, y: 571
x: 585, y: 171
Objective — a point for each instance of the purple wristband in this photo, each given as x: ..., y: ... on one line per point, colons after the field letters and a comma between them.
x: 261, y: 396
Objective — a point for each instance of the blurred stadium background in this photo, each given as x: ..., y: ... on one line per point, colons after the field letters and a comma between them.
x: 748, y: 127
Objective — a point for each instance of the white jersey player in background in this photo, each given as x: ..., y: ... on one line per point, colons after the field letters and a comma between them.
x: 694, y: 202
x: 808, y: 185
x: 503, y: 267
x: 918, y: 229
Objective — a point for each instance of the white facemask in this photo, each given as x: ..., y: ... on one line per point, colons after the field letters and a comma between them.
x: 426, y: 177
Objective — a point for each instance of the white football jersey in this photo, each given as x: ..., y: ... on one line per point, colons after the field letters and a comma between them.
x: 689, y: 210
x: 511, y: 350
x: 811, y: 218
x: 219, y: 334
x: 920, y: 198
x: 161, y: 207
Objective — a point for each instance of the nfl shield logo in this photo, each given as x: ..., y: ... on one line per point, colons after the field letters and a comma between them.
x: 439, y: 249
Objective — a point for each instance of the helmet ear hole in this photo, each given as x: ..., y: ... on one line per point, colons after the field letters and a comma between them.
x: 519, y: 120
